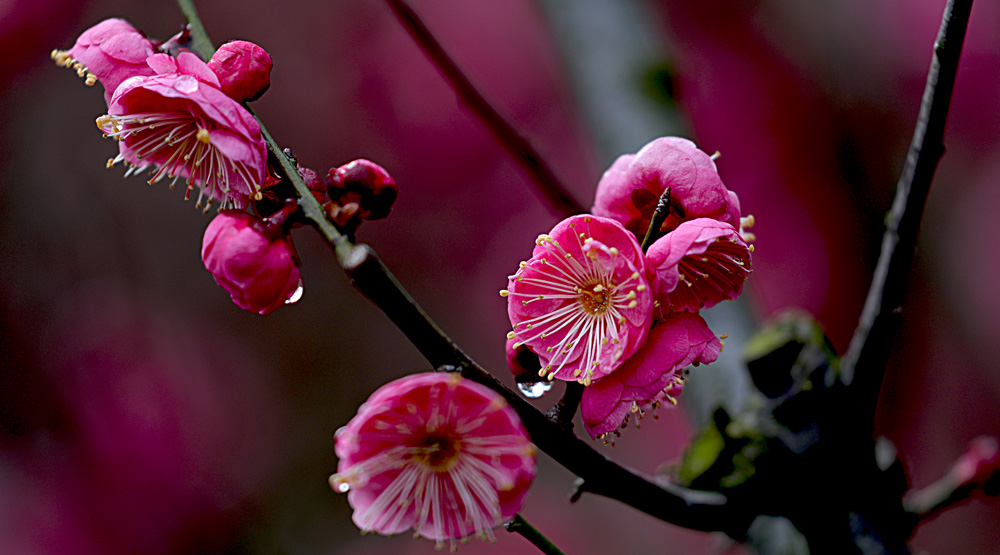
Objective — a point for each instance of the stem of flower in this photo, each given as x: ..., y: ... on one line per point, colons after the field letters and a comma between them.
x: 553, y: 190
x: 199, y: 38
x: 521, y: 526
x: 683, y: 507
x: 863, y: 365
x: 564, y: 411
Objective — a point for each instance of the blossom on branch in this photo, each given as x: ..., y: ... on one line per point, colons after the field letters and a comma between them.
x: 109, y: 52
x: 437, y: 453
x: 652, y: 375
x: 630, y: 189
x: 699, y: 264
x: 582, y: 302
x: 254, y: 261
x: 179, y: 123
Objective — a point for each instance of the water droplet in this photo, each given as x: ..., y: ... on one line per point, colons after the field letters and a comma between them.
x: 339, y: 484
x: 534, y: 390
x: 296, y: 295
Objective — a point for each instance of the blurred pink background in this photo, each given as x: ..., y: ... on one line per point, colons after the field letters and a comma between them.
x: 142, y: 412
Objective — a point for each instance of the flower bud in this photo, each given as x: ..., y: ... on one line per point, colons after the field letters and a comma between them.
x: 243, y: 68
x: 365, y: 183
x: 254, y: 263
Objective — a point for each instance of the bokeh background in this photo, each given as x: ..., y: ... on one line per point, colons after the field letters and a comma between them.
x: 142, y: 412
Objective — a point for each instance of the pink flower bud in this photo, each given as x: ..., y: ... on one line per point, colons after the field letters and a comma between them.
x: 243, y: 68
x: 365, y: 183
x: 253, y: 263
x: 109, y: 52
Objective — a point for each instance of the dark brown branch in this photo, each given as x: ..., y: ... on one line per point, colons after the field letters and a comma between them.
x: 553, y: 190
x: 863, y: 366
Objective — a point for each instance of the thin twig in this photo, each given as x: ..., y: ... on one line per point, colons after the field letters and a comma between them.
x: 200, y: 43
x: 521, y: 526
x: 554, y: 191
x: 863, y: 366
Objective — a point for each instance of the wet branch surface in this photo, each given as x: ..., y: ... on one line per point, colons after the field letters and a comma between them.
x: 863, y: 365
x: 684, y: 507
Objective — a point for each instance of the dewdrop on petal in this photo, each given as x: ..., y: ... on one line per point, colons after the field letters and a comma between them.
x: 435, y: 453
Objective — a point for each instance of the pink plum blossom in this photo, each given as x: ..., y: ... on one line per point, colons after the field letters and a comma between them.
x: 179, y: 123
x: 256, y: 265
x: 651, y: 375
x: 699, y: 264
x: 583, y: 301
x: 437, y: 453
x: 243, y: 69
x: 629, y: 190
x: 109, y: 52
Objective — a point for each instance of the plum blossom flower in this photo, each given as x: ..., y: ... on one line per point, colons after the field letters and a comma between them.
x: 583, y: 301
x: 243, y: 69
x: 629, y: 190
x: 255, y: 264
x: 179, y: 123
x: 437, y: 453
x: 109, y: 52
x: 651, y: 375
x: 699, y: 264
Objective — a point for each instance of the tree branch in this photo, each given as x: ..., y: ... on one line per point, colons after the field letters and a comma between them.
x: 553, y: 190
x: 863, y: 366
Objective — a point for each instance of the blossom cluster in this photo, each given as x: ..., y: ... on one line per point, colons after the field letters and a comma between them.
x: 596, y: 309
x: 178, y: 116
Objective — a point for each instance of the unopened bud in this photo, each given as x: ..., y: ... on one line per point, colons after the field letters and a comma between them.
x: 243, y: 69
x: 368, y: 184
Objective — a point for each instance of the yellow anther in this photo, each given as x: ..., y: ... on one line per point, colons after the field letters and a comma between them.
x: 751, y: 248
x: 504, y: 292
x: 633, y: 304
x: 631, y: 295
x: 511, y: 335
x: 516, y: 345
x: 614, y: 251
x: 724, y: 336
x: 203, y: 135
x: 640, y: 288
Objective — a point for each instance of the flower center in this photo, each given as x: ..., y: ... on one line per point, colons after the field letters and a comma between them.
x: 438, y: 452
x: 595, y: 298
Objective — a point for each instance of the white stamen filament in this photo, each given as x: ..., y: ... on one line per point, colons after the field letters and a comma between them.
x: 186, y: 148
